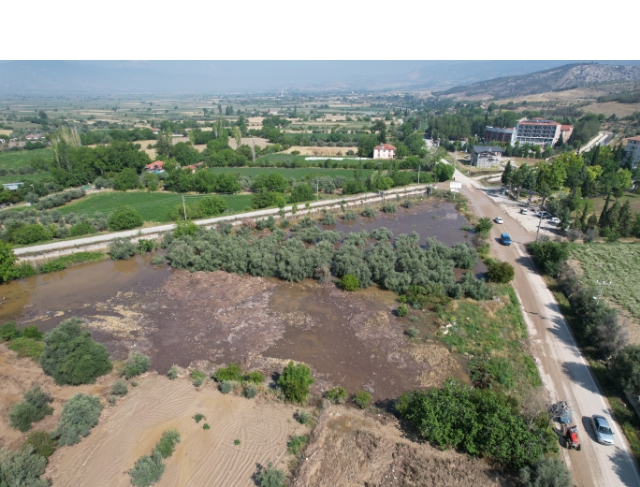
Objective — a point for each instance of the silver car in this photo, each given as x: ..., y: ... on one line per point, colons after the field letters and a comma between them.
x: 602, y: 429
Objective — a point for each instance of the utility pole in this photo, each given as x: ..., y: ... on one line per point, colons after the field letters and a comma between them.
x: 539, y: 223
x: 602, y: 284
x: 317, y: 190
x: 184, y: 208
x: 419, y: 165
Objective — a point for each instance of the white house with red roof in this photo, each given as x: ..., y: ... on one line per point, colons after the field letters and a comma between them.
x: 384, y: 151
x: 34, y: 137
x: 155, y: 167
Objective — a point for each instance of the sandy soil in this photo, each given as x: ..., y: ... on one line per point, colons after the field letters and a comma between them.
x: 18, y: 375
x: 349, y: 448
x: 609, y: 108
x: 321, y: 151
x: 203, y: 457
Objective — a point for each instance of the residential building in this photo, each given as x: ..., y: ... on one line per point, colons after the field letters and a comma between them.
x: 154, y: 131
x: 633, y: 150
x: 155, y: 167
x: 191, y: 167
x: 485, y: 156
x: 565, y: 133
x: 496, y: 134
x: 384, y: 151
x: 33, y: 137
x: 538, y: 132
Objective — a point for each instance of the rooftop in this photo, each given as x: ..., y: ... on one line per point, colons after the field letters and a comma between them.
x: 485, y: 148
x: 538, y: 121
x: 385, y: 147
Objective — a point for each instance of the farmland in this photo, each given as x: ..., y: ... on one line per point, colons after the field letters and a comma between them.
x: 15, y: 160
x: 153, y: 207
x: 298, y: 173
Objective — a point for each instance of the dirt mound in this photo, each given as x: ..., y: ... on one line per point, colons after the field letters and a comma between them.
x: 203, y: 457
x: 349, y: 448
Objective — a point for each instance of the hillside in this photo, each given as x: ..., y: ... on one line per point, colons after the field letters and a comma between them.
x: 554, y: 79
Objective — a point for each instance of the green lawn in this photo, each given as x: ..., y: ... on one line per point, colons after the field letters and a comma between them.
x: 153, y: 207
x: 298, y: 173
x: 618, y: 263
x: 14, y: 160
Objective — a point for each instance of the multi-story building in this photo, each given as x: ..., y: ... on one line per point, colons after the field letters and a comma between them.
x: 538, y: 132
x: 496, y: 134
x: 483, y: 156
x: 565, y: 132
x: 633, y: 150
x: 384, y: 151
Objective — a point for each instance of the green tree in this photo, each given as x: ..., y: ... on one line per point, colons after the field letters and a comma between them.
x: 32, y: 409
x: 212, y: 206
x: 147, y: 471
x: 270, y: 477
x: 30, y: 234
x: 302, y: 192
x: 22, y: 468
x: 484, y: 225
x: 625, y: 367
x: 127, y: 179
x: 295, y: 381
x: 136, y: 364
x: 79, y: 415
x: 71, y: 356
x: 500, y: 272
x: 349, y: 282
x: 443, y: 172
x: 625, y: 220
x: 548, y: 472
x: 7, y: 261
x: 507, y: 174
x: 125, y: 218
x: 366, y: 144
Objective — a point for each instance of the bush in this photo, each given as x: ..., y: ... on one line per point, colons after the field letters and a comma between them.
x: 30, y: 234
x: 302, y: 192
x: 255, y: 376
x: 549, y: 255
x: 79, y: 415
x: 9, y: 331
x: 328, y: 219
x: 211, y: 206
x: 206, y: 426
x: 295, y: 381
x: 134, y: 383
x: 121, y: 249
x: 136, y: 364
x: 22, y: 468
x: 413, y: 332
x: 32, y: 332
x: 226, y: 386
x: 349, y: 282
x: 362, y: 399
x: 270, y: 476
x: 41, y: 442
x: 126, y: 179
x: 548, y: 472
x: 32, y: 409
x: 250, y: 391
x: 80, y: 229
x: 167, y: 444
x: 297, y: 444
x: 27, y: 347
x: 500, y: 272
x: 145, y: 246
x: 349, y: 215
x: 407, y: 204
x: 173, y: 372
x: 112, y: 399
x: 484, y: 225
x: 125, y: 218
x: 389, y: 208
x: 230, y: 372
x: 198, y: 417
x: 157, y: 260
x: 51, y: 266
x: 625, y: 367
x: 119, y: 388
x: 337, y: 395
x: 369, y: 212
x: 302, y: 417
x: 198, y: 377
x: 71, y: 356
x: 147, y: 471
x: 185, y: 227
x: 402, y: 311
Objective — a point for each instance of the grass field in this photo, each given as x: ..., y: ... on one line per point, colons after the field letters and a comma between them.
x: 15, y: 178
x: 618, y: 263
x: 298, y: 174
x: 153, y: 207
x: 14, y: 160
x: 634, y: 202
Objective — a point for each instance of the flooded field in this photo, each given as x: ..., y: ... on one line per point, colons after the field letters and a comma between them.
x: 208, y: 319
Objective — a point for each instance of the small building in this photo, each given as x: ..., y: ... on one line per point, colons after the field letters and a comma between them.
x: 154, y: 131
x: 384, y: 151
x: 192, y: 167
x: 33, y: 137
x: 496, y: 134
x: 632, y: 150
x: 485, y: 156
x: 155, y: 167
x: 565, y: 133
x: 272, y: 112
x: 12, y: 186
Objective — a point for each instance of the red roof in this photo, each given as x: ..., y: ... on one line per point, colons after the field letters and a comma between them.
x: 564, y: 128
x: 636, y: 138
x: 155, y: 165
x: 385, y: 147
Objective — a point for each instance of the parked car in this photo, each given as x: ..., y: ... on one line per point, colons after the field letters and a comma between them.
x: 554, y: 220
x: 524, y: 211
x: 498, y: 219
x: 543, y: 214
x: 505, y: 238
x: 602, y: 430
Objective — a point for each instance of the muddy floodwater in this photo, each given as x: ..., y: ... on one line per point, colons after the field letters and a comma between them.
x: 208, y: 319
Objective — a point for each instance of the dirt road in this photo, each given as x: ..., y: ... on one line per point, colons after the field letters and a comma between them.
x: 562, y: 367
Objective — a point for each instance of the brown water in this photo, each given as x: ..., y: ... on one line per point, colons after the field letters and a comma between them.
x: 207, y: 319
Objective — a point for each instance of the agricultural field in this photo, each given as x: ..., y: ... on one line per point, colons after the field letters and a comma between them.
x: 634, y: 202
x: 297, y: 173
x: 17, y: 159
x: 153, y: 207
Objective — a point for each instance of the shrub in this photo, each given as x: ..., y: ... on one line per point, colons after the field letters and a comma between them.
x: 296, y: 444
x: 407, y: 204
x: 295, y: 381
x: 147, y: 471
x: 27, y: 347
x: 79, y: 415
x: 413, y: 332
x: 349, y: 282
x: 125, y: 218
x: 250, y: 391
x: 328, y: 219
x: 119, y: 388
x: 362, y: 399
x: 254, y: 376
x: 134, y: 383
x: 51, y: 266
x: 30, y: 234
x: 484, y: 225
x: 80, y: 229
x: 167, y: 444
x: 198, y: 377
x: 157, y: 260
x: 32, y: 332
x: 22, y: 468
x: 198, y: 417
x: 173, y: 372
x: 302, y: 192
x: 302, y: 417
x: 112, y: 399
x: 349, y: 215
x: 625, y: 367
x: 9, y: 331
x: 369, y: 212
x: 61, y: 232
x: 121, y: 249
x: 206, y: 426
x: 185, y: 227
x: 402, y: 311
x: 270, y: 476
x: 337, y: 395
x: 236, y: 442
x: 145, y: 246
x: 285, y: 223
x: 389, y: 208
x: 230, y: 372
x: 41, y: 442
x: 136, y: 364
x: 500, y: 272
x: 548, y: 472
x: 71, y: 356
x: 32, y: 409
x: 226, y: 386
x: 549, y: 255
x: 381, y: 233
x: 126, y: 179
x: 211, y: 206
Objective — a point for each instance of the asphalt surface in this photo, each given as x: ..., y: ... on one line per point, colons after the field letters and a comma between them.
x: 564, y: 371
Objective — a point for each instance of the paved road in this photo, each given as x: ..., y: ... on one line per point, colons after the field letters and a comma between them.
x: 595, y: 141
x: 563, y: 369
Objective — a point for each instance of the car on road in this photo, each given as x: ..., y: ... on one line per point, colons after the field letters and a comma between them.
x: 554, y: 220
x: 505, y: 239
x: 543, y: 214
x: 524, y: 211
x: 498, y: 219
x: 602, y: 429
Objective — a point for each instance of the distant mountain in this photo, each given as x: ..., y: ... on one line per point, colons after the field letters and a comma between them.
x: 554, y: 79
